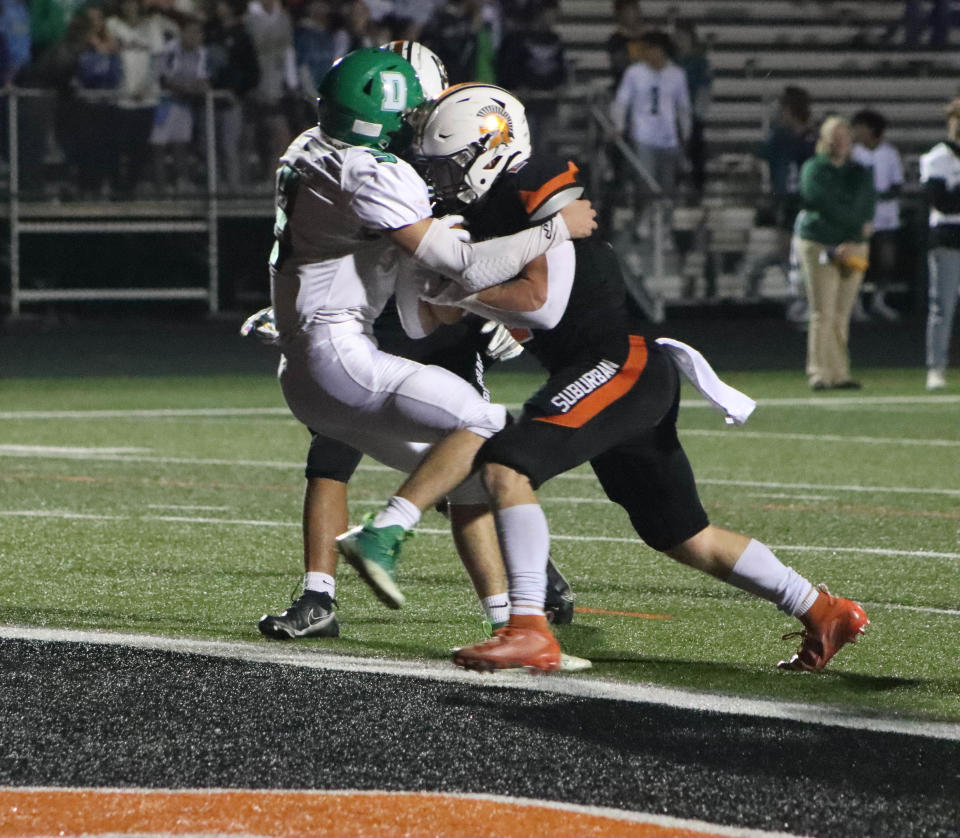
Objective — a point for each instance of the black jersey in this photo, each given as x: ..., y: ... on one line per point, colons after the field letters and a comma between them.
x: 599, y: 314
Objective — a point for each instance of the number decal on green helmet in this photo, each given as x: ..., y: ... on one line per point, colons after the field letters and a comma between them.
x: 394, y: 91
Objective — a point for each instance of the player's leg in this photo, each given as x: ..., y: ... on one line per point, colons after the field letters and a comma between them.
x: 460, y: 421
x: 652, y: 480
x: 330, y: 464
x: 526, y: 640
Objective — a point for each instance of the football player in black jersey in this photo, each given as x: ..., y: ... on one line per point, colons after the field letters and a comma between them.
x: 611, y: 399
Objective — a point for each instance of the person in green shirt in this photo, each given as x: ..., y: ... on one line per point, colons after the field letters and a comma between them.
x: 831, y: 236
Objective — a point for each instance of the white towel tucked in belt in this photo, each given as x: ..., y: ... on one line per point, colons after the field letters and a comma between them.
x: 735, y: 406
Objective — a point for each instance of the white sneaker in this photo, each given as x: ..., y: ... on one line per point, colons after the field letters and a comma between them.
x: 936, y: 379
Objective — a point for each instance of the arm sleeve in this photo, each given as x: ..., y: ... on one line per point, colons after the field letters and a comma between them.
x: 478, y: 265
x: 561, y: 266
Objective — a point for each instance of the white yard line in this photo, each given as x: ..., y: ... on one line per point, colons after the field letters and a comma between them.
x: 257, y: 522
x: 738, y: 433
x: 95, y: 455
x: 577, y: 686
x: 226, y: 412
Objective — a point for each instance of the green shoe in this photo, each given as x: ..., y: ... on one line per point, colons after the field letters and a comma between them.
x: 373, y: 552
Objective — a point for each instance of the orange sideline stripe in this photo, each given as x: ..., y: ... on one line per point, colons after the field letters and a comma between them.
x: 532, y: 200
x: 304, y: 814
x: 640, y: 614
x: 607, y: 393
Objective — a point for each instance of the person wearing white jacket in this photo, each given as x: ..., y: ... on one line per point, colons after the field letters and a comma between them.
x: 940, y: 178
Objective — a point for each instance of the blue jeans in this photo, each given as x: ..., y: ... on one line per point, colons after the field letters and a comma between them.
x: 944, y: 265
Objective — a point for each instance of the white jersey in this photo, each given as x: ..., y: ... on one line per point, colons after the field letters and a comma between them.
x: 887, y: 172
x: 941, y: 163
x: 332, y: 262
x: 654, y: 105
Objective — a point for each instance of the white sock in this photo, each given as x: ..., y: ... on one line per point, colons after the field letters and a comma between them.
x: 496, y: 608
x: 322, y: 583
x: 398, y: 512
x: 759, y: 572
x: 525, y: 543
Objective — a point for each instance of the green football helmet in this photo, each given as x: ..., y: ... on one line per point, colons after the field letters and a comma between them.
x: 364, y: 97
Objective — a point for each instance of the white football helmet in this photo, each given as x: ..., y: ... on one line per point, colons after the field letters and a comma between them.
x: 426, y: 63
x: 466, y: 138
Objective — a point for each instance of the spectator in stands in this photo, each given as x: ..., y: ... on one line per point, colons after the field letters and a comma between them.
x: 97, y: 77
x: 790, y: 142
x: 623, y: 46
x: 652, y: 105
x: 357, y: 24
x: 49, y: 20
x: 459, y: 35
x: 185, y: 80
x: 234, y: 73
x: 271, y: 30
x: 940, y: 178
x: 691, y: 57
x: 15, y: 34
x: 531, y: 63
x: 318, y: 42
x: 875, y: 153
x: 142, y: 39
x: 14, y: 55
x: 831, y: 232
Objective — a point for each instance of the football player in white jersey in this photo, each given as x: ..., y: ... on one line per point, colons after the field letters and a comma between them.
x: 347, y: 209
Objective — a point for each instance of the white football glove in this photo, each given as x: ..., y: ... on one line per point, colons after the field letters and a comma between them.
x: 455, y: 223
x: 502, y: 346
x: 262, y: 325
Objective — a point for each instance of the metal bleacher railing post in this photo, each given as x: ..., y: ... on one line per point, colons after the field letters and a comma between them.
x: 606, y: 132
x: 52, y: 218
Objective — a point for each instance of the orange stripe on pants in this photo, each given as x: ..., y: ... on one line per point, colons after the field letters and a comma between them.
x: 606, y: 394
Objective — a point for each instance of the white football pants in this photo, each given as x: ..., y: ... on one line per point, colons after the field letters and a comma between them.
x: 338, y: 383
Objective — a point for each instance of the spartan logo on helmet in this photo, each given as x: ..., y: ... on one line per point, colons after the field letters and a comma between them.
x: 496, y: 126
x: 365, y: 96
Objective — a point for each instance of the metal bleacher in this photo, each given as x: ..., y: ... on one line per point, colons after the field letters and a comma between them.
x: 849, y: 55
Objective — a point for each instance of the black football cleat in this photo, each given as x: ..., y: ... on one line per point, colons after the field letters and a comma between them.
x: 558, y: 605
x: 310, y: 616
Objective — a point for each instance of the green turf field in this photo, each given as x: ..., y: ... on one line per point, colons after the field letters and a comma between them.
x: 135, y: 514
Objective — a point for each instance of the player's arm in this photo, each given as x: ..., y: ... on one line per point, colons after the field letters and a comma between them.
x: 535, y: 300
x: 476, y: 266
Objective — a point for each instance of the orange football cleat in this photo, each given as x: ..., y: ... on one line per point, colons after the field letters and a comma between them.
x: 830, y: 624
x: 524, y: 642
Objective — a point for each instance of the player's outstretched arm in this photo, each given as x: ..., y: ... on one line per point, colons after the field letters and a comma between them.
x: 479, y: 265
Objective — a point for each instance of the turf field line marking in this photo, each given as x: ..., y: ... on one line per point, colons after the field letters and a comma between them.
x: 573, y: 685
x: 254, y: 522
x: 289, y: 812
x: 213, y: 412
x: 188, y: 507
x: 869, y: 440
x: 68, y: 450
x: 580, y: 609
x: 923, y: 609
x: 146, y: 413
x: 374, y: 467
x: 60, y: 513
